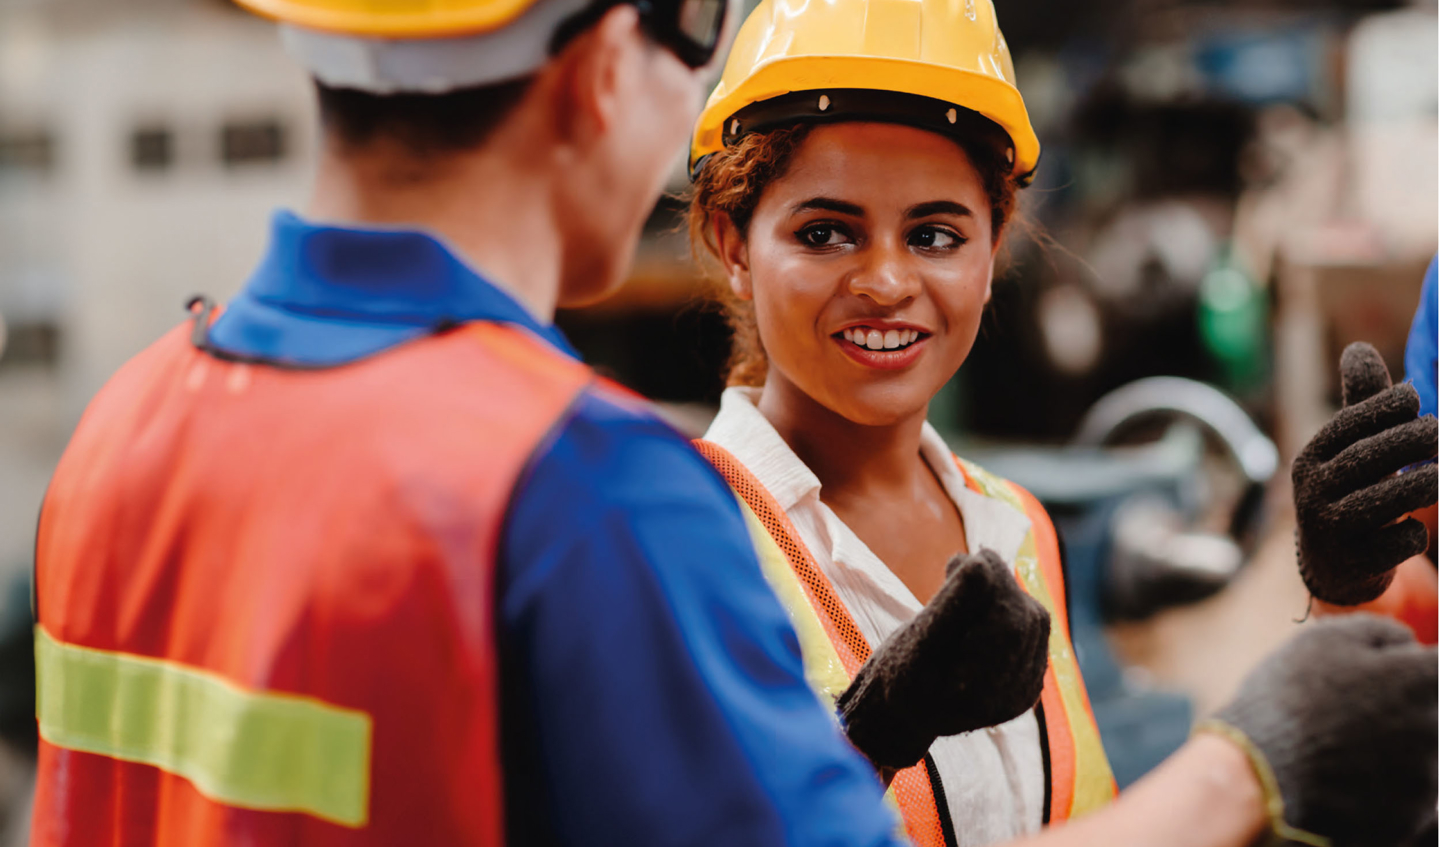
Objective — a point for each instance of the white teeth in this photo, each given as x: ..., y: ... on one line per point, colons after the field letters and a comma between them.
x: 874, y: 339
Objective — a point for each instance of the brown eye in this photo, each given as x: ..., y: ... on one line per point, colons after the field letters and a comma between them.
x: 822, y: 235
x: 935, y: 238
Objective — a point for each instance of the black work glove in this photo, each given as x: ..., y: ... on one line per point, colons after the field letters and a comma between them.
x: 1346, y: 492
x: 975, y: 656
x: 1340, y: 726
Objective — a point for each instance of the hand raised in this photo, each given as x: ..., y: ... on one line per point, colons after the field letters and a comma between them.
x: 975, y: 656
x: 1348, y: 493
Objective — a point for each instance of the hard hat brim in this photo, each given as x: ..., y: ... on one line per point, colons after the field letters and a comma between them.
x: 347, y: 19
x: 990, y: 97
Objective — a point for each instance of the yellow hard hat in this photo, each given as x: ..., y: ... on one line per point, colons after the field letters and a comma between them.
x: 817, y: 60
x: 393, y: 18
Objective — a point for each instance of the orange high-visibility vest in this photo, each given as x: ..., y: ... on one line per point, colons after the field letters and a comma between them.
x: 1078, y: 776
x: 266, y: 596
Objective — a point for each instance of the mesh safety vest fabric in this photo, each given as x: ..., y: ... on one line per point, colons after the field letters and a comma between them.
x: 1079, y: 773
x: 265, y: 600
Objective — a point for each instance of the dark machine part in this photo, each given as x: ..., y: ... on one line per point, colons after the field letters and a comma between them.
x: 17, y: 668
x: 1155, y: 563
x: 670, y: 355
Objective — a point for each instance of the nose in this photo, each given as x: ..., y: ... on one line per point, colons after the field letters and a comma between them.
x: 884, y: 276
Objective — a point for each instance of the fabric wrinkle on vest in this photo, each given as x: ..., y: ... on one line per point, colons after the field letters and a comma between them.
x: 1078, y: 774
x: 338, y: 531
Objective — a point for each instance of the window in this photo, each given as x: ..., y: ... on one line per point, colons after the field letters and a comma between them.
x: 252, y: 142
x: 27, y: 150
x: 152, y: 148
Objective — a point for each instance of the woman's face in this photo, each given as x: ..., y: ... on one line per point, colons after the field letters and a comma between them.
x: 869, y: 263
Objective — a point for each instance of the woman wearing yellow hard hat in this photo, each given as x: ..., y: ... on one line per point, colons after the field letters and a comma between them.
x: 827, y: 428
x: 854, y: 174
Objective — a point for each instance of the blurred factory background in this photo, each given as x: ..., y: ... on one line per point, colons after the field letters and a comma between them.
x: 1230, y: 192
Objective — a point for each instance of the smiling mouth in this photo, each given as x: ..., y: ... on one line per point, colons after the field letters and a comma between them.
x: 869, y: 338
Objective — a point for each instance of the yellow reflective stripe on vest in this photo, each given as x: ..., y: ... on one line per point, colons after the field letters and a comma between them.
x: 266, y: 751
x: 1094, y: 781
x: 823, y: 669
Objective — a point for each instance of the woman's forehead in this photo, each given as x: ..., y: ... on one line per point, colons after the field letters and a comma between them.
x: 881, y: 165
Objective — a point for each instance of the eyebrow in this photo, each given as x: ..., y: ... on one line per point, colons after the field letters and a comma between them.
x: 938, y: 207
x: 828, y: 204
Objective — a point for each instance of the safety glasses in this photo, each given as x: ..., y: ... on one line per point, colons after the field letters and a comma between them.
x: 691, y: 29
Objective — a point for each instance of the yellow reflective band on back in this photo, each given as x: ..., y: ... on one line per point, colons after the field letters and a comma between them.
x: 266, y: 751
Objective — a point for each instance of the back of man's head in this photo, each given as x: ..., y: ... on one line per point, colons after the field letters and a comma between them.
x: 426, y: 126
x: 433, y: 80
x: 467, y: 99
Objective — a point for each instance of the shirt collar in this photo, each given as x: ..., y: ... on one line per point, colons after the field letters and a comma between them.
x: 742, y: 430
x: 325, y: 295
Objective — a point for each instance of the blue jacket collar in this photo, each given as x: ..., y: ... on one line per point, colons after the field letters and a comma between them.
x: 327, y: 295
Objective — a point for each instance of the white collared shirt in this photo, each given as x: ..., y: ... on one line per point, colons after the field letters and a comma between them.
x: 994, y: 778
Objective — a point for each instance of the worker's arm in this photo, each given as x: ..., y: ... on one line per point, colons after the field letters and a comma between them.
x: 1330, y: 740
x: 1423, y: 347
x: 1205, y: 795
x: 653, y: 688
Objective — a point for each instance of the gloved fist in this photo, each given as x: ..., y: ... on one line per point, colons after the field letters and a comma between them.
x: 975, y: 656
x: 1346, y: 492
x: 1343, y: 715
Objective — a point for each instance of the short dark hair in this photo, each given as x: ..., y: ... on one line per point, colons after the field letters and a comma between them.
x: 424, y: 124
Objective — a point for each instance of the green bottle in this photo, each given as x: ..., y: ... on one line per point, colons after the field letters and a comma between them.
x: 1234, y: 326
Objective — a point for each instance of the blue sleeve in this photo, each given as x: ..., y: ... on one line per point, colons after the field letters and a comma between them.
x: 652, y: 684
x: 1421, y: 350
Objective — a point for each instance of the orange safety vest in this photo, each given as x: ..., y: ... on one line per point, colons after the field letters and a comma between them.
x: 1078, y: 777
x: 265, y: 596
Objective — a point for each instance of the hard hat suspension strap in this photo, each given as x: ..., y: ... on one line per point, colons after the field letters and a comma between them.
x: 861, y: 104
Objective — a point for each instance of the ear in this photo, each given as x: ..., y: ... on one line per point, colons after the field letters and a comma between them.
x: 734, y: 256
x: 594, y: 72
x: 990, y: 269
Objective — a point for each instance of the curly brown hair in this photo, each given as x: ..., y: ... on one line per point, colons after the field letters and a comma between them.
x: 731, y: 182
